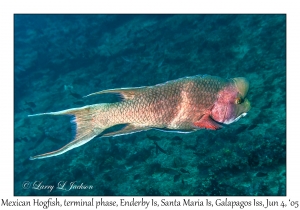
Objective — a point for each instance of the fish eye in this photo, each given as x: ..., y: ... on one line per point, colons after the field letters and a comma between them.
x: 239, y: 100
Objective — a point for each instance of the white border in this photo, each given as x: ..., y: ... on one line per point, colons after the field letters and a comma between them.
x: 8, y: 8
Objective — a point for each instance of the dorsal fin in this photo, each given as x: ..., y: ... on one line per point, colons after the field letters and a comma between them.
x: 126, y: 93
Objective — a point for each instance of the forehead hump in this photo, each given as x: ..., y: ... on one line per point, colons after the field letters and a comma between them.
x: 242, y: 85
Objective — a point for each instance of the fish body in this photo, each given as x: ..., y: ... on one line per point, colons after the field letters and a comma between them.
x: 184, y: 105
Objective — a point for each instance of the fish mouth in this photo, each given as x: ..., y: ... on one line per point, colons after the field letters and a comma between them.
x: 239, y: 117
x: 234, y: 120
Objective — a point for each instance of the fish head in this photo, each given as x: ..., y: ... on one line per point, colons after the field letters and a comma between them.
x: 232, y: 103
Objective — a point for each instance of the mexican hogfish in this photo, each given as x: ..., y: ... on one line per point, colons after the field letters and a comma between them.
x: 184, y: 105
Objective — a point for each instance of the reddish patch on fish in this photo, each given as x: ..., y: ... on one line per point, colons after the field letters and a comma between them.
x: 207, y: 123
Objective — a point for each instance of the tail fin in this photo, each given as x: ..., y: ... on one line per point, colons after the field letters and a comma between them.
x: 83, y: 126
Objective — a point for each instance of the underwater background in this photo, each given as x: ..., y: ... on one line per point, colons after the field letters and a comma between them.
x: 58, y: 59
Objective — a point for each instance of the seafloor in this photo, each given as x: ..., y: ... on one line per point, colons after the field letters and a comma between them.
x: 60, y: 58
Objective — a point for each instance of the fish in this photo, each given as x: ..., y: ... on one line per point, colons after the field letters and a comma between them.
x: 31, y: 104
x: 176, y: 138
x: 75, y: 95
x: 176, y: 177
x: 182, y: 105
x: 154, y: 138
x: 78, y: 103
x: 159, y: 148
x: 184, y: 171
x: 241, y: 129
x: 251, y: 127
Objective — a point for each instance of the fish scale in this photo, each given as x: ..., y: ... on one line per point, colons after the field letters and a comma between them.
x: 184, y: 105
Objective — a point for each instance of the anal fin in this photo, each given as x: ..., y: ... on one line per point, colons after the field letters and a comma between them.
x: 126, y: 130
x: 208, y: 123
x: 173, y: 130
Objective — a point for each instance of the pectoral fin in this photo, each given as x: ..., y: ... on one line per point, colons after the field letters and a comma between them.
x: 126, y: 130
x: 126, y: 93
x: 208, y: 123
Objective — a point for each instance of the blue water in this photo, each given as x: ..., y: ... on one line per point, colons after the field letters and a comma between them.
x: 60, y: 58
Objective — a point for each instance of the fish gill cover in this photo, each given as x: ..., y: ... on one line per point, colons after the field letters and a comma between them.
x: 60, y: 58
